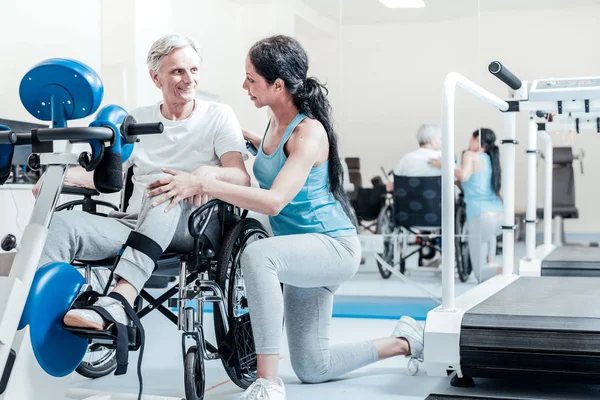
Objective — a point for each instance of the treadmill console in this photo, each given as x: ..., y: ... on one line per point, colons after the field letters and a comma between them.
x: 565, y: 89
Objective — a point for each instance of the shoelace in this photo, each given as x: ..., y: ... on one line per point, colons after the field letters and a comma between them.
x: 413, y: 365
x: 259, y: 391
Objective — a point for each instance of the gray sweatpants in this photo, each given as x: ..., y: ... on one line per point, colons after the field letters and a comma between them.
x: 483, y: 232
x: 76, y: 235
x: 311, y: 267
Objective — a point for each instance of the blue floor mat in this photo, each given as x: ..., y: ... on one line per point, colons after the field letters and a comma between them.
x: 373, y: 307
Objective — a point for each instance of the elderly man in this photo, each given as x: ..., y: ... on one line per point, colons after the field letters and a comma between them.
x: 202, y: 137
x: 416, y: 162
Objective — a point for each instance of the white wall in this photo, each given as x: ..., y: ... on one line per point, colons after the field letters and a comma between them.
x: 392, y: 77
x: 34, y: 30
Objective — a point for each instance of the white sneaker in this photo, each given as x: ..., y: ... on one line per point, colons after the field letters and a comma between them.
x: 410, y: 330
x: 264, y: 389
x: 82, y: 318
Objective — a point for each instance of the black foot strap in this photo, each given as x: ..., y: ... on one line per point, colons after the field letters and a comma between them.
x: 144, y: 244
x: 87, y: 300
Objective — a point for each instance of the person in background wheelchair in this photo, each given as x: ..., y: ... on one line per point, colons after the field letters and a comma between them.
x: 200, y: 137
x: 480, y: 174
x: 416, y: 162
x: 315, y: 247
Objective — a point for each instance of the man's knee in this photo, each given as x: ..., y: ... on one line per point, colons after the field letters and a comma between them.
x: 63, y: 224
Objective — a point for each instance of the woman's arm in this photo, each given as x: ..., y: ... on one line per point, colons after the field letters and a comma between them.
x: 466, y: 170
x: 252, y: 137
x: 303, y: 155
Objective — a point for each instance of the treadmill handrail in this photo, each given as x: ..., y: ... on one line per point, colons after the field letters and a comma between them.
x: 453, y: 80
x: 548, y: 169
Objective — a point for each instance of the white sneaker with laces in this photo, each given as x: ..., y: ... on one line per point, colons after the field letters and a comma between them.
x: 409, y: 329
x: 82, y: 318
x: 264, y: 389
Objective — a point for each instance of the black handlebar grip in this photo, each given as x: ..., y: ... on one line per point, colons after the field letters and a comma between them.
x: 75, y: 133
x: 8, y: 137
x: 502, y: 73
x: 145, y: 129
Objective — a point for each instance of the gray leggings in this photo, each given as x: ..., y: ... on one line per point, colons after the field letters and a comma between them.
x: 311, y: 267
x: 482, y: 243
x: 76, y: 235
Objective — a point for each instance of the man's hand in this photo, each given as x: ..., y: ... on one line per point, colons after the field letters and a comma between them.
x: 79, y: 177
x: 37, y: 186
x: 76, y: 176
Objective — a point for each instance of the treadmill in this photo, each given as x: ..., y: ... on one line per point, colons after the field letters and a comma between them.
x: 517, y: 327
x: 567, y: 259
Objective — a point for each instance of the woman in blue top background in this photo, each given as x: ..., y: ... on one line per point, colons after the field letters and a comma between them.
x: 481, y: 177
x: 315, y: 247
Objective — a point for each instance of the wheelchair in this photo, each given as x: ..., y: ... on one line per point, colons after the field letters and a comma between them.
x: 203, y: 277
x: 414, y: 209
x: 368, y: 204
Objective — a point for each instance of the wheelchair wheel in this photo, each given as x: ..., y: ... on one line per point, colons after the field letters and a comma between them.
x: 99, y: 361
x: 385, y: 227
x: 461, y: 246
x: 193, y: 374
x: 241, y: 365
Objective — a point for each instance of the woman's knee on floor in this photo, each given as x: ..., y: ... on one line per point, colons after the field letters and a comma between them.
x: 311, y: 369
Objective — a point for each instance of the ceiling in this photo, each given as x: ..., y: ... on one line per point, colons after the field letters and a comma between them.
x: 359, y: 12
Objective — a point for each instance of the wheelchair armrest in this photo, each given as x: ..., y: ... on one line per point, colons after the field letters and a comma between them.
x: 79, y: 191
x: 195, y: 230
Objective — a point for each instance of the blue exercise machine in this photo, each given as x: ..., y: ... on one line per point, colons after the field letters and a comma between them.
x: 37, y: 354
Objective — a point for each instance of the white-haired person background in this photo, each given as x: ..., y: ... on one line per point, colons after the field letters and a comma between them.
x: 416, y: 162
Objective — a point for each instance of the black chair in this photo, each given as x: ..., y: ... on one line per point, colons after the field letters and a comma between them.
x: 204, y: 276
x: 563, y: 188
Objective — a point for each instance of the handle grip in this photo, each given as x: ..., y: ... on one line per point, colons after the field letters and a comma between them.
x: 502, y: 73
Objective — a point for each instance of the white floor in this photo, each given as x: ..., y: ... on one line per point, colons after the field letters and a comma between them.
x: 387, y: 379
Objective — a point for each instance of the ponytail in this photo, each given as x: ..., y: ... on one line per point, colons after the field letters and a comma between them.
x: 311, y: 100
x: 488, y: 141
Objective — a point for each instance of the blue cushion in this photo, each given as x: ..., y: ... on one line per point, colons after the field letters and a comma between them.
x: 54, y: 288
x: 77, y: 90
x: 113, y: 115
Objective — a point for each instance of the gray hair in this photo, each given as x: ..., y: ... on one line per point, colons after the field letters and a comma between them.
x: 427, y: 132
x: 164, y: 46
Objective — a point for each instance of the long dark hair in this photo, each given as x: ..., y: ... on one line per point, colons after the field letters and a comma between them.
x: 488, y: 142
x: 284, y: 58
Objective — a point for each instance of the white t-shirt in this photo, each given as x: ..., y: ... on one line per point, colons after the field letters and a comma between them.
x: 209, y: 132
x: 415, y: 163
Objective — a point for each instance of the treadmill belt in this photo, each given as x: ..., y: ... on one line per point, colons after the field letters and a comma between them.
x: 572, y: 260
x: 535, y: 327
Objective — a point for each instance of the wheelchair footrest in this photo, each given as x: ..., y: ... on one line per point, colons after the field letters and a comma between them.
x: 107, y: 337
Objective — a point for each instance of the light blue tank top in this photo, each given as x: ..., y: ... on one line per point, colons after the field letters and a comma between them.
x: 479, y: 193
x: 314, y: 209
